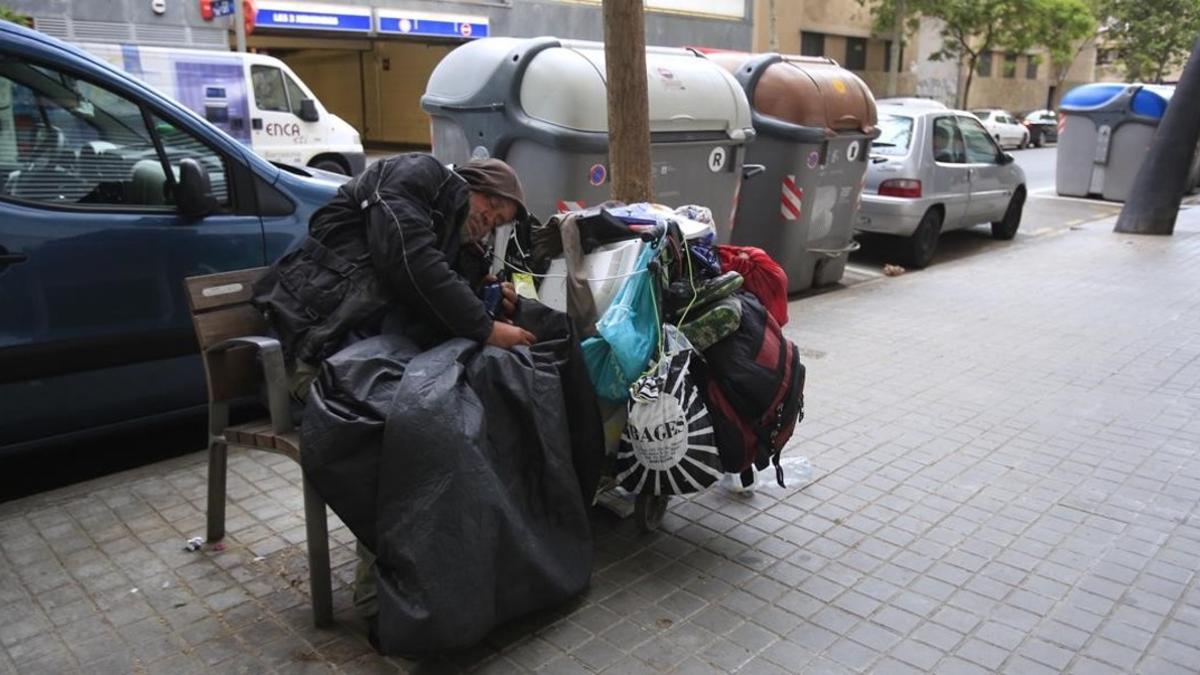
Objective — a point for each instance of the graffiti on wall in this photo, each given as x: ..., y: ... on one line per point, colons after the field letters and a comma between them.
x: 942, y: 89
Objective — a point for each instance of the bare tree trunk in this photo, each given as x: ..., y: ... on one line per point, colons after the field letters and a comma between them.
x: 897, y: 40
x: 772, y: 30
x: 1065, y: 70
x: 628, y: 105
x: 970, y: 77
x: 1153, y: 204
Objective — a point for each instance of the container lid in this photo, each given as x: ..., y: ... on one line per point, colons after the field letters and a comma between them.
x: 807, y: 91
x: 567, y: 87
x: 563, y: 84
x: 1146, y: 100
x: 463, y: 74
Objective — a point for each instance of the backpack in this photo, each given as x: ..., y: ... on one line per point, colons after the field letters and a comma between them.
x: 754, y: 390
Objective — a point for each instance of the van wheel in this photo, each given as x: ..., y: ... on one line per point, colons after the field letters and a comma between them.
x: 330, y: 165
x: 1007, y: 228
x: 917, y: 250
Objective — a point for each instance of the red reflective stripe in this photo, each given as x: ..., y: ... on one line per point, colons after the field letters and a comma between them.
x: 791, y: 198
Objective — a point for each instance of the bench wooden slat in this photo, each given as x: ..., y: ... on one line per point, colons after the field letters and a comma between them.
x: 228, y: 322
x: 256, y: 434
x: 222, y: 289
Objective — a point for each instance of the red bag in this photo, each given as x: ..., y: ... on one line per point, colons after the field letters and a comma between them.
x: 764, y: 277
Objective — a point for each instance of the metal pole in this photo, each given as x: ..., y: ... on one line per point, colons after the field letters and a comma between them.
x: 1158, y: 188
x: 239, y: 24
x: 628, y: 100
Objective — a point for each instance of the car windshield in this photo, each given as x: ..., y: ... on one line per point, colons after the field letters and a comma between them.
x: 895, y: 135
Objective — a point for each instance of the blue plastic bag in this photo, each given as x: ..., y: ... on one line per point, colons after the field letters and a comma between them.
x: 628, y: 334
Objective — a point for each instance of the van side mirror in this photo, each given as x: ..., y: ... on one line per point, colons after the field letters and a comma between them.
x: 308, y: 110
x: 1005, y: 158
x: 193, y: 197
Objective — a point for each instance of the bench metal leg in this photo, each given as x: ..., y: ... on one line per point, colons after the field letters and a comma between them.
x: 218, y: 452
x: 318, y: 556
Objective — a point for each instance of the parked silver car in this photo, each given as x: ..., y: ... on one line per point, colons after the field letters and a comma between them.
x: 933, y: 171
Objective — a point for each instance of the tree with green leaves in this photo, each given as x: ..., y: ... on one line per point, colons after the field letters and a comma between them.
x: 971, y: 28
x: 11, y: 15
x: 1069, y: 27
x: 1152, y: 37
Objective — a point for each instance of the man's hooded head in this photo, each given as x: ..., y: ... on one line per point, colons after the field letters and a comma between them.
x: 496, y: 196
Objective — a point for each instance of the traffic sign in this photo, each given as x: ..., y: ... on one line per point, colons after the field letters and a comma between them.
x: 223, y: 7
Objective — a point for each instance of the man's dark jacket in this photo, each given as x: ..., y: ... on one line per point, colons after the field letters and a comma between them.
x: 388, y: 244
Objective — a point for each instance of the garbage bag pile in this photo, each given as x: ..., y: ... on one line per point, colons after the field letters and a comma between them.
x: 467, y: 470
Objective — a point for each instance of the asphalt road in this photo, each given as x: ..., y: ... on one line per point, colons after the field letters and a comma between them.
x: 1038, y: 164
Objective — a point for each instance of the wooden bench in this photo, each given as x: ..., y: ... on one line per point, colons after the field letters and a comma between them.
x: 239, y: 362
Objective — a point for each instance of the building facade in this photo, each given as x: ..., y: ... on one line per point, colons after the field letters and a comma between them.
x: 842, y: 30
x: 368, y: 60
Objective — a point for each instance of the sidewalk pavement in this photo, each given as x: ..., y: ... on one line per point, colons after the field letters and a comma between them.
x: 1006, y: 480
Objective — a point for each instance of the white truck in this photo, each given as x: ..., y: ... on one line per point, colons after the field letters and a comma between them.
x: 255, y: 98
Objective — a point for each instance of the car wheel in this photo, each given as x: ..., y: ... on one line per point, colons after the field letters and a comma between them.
x: 1039, y: 139
x: 1007, y: 228
x: 330, y: 165
x: 917, y: 250
x: 1026, y: 141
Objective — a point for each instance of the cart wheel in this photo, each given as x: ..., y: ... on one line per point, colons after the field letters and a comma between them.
x: 648, y: 510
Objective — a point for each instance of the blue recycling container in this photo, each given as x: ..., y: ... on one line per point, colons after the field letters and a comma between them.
x: 1105, y: 132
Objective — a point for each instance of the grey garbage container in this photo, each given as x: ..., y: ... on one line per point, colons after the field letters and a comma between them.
x: 541, y: 105
x: 1106, y: 129
x: 814, y: 122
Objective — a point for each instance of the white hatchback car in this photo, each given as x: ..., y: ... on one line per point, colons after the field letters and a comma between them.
x: 1003, y: 127
x: 935, y: 170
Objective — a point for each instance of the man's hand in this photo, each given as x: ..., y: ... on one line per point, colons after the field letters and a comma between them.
x: 508, y: 295
x: 508, y: 336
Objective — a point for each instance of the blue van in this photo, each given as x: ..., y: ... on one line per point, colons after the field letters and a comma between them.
x: 110, y: 195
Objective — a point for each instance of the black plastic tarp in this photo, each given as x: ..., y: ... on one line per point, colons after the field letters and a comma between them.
x: 468, y: 470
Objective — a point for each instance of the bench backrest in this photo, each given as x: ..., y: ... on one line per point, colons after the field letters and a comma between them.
x: 221, y: 309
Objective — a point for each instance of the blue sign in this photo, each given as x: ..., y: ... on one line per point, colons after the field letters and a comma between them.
x: 273, y: 18
x: 432, y: 27
x: 223, y: 8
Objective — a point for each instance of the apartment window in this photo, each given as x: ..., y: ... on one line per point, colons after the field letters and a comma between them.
x: 1010, y: 66
x: 812, y: 44
x: 856, y: 54
x: 983, y: 67
x: 1031, y: 67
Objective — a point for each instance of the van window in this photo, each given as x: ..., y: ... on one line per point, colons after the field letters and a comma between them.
x: 269, y: 92
x: 295, y: 94
x: 179, y: 145
x: 68, y: 141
